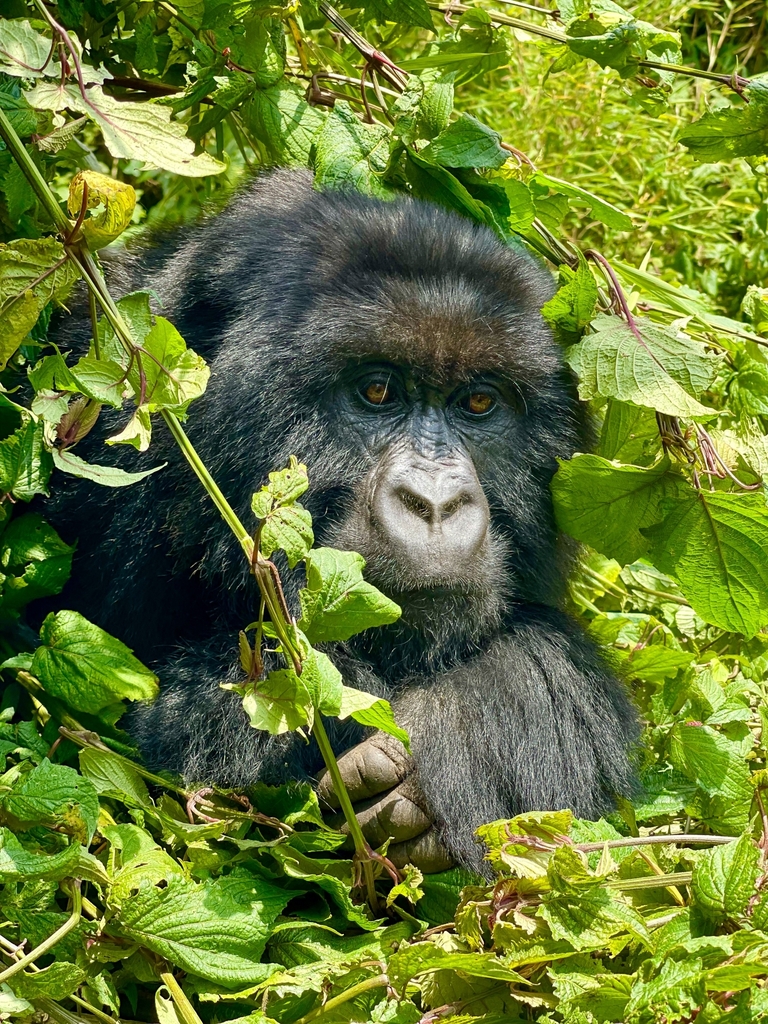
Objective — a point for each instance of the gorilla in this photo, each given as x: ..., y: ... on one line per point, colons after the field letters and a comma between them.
x: 399, y: 351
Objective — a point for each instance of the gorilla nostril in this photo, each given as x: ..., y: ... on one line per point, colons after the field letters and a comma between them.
x: 449, y: 508
x: 415, y: 503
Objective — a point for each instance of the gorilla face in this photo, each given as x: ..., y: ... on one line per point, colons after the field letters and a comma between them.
x: 420, y: 516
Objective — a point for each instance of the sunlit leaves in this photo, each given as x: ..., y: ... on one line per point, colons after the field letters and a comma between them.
x: 740, y: 130
x: 86, y: 667
x: 286, y: 524
x: 32, y: 274
x: 337, y: 602
x: 117, y: 198
x: 351, y: 154
x: 654, y: 367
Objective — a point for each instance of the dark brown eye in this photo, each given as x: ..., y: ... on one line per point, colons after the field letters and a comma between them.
x: 378, y: 393
x: 479, y: 403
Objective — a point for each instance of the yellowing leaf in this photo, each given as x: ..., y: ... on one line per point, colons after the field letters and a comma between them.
x: 118, y: 199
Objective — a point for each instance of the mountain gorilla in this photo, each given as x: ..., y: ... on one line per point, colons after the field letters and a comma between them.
x: 399, y: 351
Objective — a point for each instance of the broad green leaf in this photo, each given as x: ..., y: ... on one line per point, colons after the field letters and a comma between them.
x: 32, y: 274
x: 173, y: 374
x: 350, y: 154
x: 107, y: 476
x: 724, y: 878
x: 114, y: 776
x: 281, y: 118
x: 117, y: 198
x: 19, y: 863
x: 372, y: 711
x: 614, y: 38
x: 337, y: 602
x: 467, y: 143
x: 100, y: 379
x: 217, y: 929
x: 716, y: 546
x: 717, y: 766
x: 25, y: 462
x: 35, y: 561
x: 426, y: 957
x: 436, y: 105
x: 737, y: 131
x: 609, y: 214
x: 285, y: 486
x: 673, y: 991
x: 660, y: 370
x: 87, y: 668
x: 57, y: 981
x: 290, y: 529
x: 405, y: 12
x: 24, y: 51
x: 295, y: 943
x: 607, y: 505
x: 55, y: 796
x: 573, y: 305
x: 589, y: 915
x: 280, y: 703
x: 630, y: 434
x: 132, y: 131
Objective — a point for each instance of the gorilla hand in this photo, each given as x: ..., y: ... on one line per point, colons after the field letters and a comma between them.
x: 381, y: 783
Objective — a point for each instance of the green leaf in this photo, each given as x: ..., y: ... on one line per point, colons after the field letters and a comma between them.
x: 281, y: 118
x: 337, y: 602
x: 24, y: 50
x: 587, y: 914
x: 107, y: 476
x: 673, y: 991
x: 25, y: 462
x: 19, y: 863
x: 131, y: 131
x: 426, y: 957
x: 57, y: 981
x: 467, y: 143
x: 372, y: 711
x: 352, y: 155
x: 35, y: 561
x: 404, y: 12
x: 614, y: 38
x: 630, y: 434
x: 117, y: 198
x: 660, y: 370
x: 216, y: 930
x: 717, y: 766
x: 731, y: 132
x: 55, y: 796
x: 114, y: 776
x: 607, y: 213
x: 32, y: 274
x: 607, y: 505
x: 716, y: 546
x: 287, y: 525
x: 278, y: 704
x: 573, y: 305
x: 724, y: 878
x: 87, y: 668
x: 174, y: 375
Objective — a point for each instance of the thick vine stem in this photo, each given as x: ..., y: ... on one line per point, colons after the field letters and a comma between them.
x: 184, y: 1008
x: 48, y: 944
x: 356, y: 832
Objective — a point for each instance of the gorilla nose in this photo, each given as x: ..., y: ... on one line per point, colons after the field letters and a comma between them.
x: 433, y: 513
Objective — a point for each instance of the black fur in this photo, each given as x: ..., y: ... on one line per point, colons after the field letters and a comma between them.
x: 508, y: 705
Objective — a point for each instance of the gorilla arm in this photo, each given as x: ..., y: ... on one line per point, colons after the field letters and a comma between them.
x: 536, y: 722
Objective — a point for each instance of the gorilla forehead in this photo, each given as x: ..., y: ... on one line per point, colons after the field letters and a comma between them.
x: 402, y: 281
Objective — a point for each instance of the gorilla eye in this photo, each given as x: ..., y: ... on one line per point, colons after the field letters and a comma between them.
x: 378, y: 393
x: 479, y: 403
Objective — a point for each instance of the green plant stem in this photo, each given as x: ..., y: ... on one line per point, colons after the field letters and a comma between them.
x: 355, y: 831
x: 683, y: 837
x: 185, y: 1008
x: 34, y: 177
x: 735, y: 82
x: 50, y: 942
x: 379, y: 981
x: 651, y: 881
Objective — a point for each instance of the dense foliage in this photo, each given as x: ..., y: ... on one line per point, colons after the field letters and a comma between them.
x: 633, y: 159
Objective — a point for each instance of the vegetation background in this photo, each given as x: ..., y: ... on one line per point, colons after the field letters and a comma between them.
x: 630, y: 149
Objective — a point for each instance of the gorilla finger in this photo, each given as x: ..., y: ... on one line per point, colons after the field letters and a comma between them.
x: 426, y: 852
x: 372, y: 767
x: 399, y: 815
